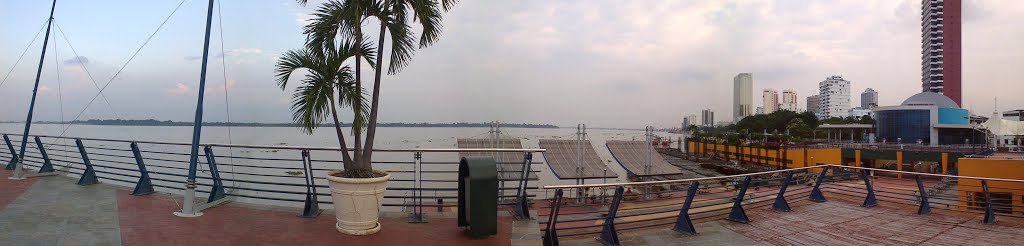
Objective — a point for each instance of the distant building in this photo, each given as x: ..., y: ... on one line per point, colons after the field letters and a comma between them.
x: 770, y: 98
x: 814, y: 105
x: 759, y: 110
x: 789, y: 101
x: 834, y: 93
x: 927, y: 118
x: 940, y: 47
x: 689, y: 120
x: 869, y: 99
x: 857, y: 113
x: 1014, y: 115
x: 707, y: 118
x: 742, y: 96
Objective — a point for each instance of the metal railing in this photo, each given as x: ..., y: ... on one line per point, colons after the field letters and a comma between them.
x: 729, y: 197
x: 266, y: 174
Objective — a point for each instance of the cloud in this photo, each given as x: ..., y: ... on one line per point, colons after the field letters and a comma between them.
x: 193, y: 58
x: 241, y: 52
x: 78, y: 60
x: 180, y: 89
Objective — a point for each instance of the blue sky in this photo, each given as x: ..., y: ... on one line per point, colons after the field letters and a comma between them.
x: 604, y: 63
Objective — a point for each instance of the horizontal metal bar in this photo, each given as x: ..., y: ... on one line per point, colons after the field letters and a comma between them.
x: 927, y: 174
x: 676, y: 180
x: 288, y: 147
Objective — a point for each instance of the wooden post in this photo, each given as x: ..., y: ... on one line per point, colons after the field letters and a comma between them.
x: 856, y: 158
x: 945, y: 163
x: 899, y: 163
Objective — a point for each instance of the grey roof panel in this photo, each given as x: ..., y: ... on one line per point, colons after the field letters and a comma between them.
x: 561, y: 158
x: 630, y: 154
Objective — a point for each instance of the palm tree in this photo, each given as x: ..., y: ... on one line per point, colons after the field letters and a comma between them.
x: 344, y: 19
x: 328, y: 79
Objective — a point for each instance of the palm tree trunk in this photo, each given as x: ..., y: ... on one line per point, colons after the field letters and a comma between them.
x: 359, y: 88
x: 346, y: 159
x: 371, y: 130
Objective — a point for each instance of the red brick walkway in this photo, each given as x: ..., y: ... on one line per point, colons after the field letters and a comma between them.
x: 147, y: 220
x: 11, y: 189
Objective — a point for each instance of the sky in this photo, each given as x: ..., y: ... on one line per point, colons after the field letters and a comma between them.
x: 603, y: 63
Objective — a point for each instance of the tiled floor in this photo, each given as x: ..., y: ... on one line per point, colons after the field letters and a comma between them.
x: 56, y: 211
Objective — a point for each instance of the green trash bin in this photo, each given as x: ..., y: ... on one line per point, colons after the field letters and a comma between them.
x: 478, y: 196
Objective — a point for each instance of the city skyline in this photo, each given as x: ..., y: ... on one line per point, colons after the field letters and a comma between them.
x: 685, y: 61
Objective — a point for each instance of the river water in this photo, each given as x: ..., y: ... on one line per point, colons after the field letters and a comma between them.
x: 388, y: 137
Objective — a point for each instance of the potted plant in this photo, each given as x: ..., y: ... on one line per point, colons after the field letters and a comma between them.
x: 334, y: 39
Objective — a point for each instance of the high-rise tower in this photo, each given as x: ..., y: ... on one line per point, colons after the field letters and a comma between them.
x: 940, y: 47
x: 742, y: 96
x: 771, y: 100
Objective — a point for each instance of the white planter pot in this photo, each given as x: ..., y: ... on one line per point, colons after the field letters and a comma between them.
x: 357, y: 203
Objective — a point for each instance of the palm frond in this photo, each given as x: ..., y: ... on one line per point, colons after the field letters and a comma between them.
x: 448, y: 4
x: 331, y: 20
x: 428, y: 14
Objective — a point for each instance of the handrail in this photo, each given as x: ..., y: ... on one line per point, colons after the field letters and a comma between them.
x: 926, y: 174
x: 294, y: 147
x: 675, y: 180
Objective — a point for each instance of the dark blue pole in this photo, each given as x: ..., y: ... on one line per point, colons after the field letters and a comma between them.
x: 683, y: 222
x: 35, y: 89
x: 780, y: 199
x: 188, y: 209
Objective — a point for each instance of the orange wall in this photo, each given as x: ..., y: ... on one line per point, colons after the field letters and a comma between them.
x: 822, y: 156
x: 992, y: 168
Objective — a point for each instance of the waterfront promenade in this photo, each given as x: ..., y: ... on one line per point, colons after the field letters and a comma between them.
x: 56, y: 211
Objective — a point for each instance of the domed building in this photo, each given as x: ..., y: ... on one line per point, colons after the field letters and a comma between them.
x: 926, y: 118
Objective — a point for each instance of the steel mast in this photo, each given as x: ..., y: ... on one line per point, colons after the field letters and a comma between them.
x: 19, y: 172
x: 188, y: 209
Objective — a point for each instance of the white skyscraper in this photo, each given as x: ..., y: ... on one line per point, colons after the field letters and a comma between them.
x: 742, y: 96
x: 788, y: 100
x: 834, y: 93
x: 770, y: 98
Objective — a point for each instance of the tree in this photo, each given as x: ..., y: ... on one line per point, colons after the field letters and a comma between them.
x: 343, y: 19
x: 328, y: 80
x: 867, y: 120
x: 798, y: 130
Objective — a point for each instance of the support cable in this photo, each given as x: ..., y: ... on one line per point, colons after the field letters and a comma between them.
x: 227, y: 104
x: 60, y: 98
x: 122, y: 67
x: 22, y: 55
x: 78, y: 58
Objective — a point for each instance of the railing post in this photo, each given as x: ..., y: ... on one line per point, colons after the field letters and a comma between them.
x: 990, y: 215
x: 14, y: 155
x: 924, y: 208
x: 417, y: 215
x: 522, y: 207
x: 737, y: 214
x: 145, y: 185
x: 683, y: 222
x: 816, y: 194
x: 608, y: 234
x: 311, y: 209
x: 217, y: 190
x: 869, y: 200
x: 47, y: 166
x: 551, y: 234
x: 89, y: 175
x: 780, y: 199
